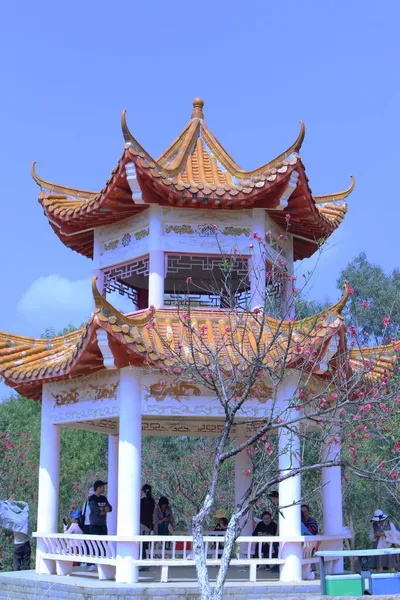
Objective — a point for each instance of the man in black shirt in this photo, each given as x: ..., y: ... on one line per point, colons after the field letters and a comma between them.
x: 99, y: 507
x: 266, y: 527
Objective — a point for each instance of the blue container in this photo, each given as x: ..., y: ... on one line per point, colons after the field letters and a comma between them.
x: 385, y: 583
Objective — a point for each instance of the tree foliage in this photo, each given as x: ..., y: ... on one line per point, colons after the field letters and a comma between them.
x: 375, y: 305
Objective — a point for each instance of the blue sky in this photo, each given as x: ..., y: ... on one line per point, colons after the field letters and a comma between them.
x: 68, y: 69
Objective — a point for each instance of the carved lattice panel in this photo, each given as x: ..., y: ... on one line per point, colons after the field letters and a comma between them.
x: 185, y: 262
x: 140, y: 266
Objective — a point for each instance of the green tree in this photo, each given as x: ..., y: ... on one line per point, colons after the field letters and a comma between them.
x: 375, y: 304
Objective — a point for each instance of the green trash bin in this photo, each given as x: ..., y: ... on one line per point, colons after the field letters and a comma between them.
x: 343, y: 585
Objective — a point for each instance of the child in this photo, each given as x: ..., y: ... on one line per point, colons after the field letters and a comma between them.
x: 74, y: 528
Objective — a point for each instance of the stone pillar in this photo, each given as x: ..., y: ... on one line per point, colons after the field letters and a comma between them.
x: 289, y: 489
x: 129, y: 473
x: 49, y: 473
x: 156, y: 257
x: 242, y: 482
x: 112, y: 478
x: 332, y: 498
x: 257, y: 270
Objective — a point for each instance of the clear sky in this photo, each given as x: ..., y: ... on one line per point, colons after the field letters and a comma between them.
x: 68, y: 69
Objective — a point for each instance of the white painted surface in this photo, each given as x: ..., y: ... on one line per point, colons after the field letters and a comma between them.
x: 129, y: 473
x: 242, y: 482
x: 257, y: 270
x: 290, y: 489
x: 49, y: 473
x: 156, y: 254
x: 332, y: 503
x: 112, y: 479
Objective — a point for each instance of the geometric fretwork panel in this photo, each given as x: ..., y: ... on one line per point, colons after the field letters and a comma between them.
x: 123, y: 289
x: 139, y: 266
x: 184, y: 262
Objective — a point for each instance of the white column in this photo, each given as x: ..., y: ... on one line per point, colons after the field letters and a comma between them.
x: 112, y: 479
x: 156, y: 257
x: 289, y: 489
x: 332, y: 498
x: 129, y: 473
x: 49, y: 472
x: 257, y: 271
x: 242, y: 482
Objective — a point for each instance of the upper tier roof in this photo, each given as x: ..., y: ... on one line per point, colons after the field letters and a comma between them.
x: 195, y: 171
x: 27, y: 363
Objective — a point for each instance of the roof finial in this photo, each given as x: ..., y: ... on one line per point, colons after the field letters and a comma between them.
x: 198, y: 104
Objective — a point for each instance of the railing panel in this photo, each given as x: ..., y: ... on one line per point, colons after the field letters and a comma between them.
x: 176, y: 550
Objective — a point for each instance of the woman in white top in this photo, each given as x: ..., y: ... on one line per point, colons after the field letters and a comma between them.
x: 74, y: 528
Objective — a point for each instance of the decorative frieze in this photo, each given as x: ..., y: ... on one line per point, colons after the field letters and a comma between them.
x: 125, y: 240
x: 95, y: 388
x: 206, y: 230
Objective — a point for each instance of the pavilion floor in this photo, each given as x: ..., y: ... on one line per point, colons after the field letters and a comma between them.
x: 85, y: 585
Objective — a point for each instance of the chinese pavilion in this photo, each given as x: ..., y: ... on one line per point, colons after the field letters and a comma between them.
x: 147, y: 230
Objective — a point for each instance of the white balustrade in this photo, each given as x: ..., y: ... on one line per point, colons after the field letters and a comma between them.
x: 64, y: 549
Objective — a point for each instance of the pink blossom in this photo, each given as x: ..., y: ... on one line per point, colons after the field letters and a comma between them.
x: 352, y: 331
x: 208, y: 375
x: 247, y: 472
x: 364, y: 303
x: 228, y: 330
x: 334, y: 395
x: 150, y: 325
x: 385, y: 321
x: 256, y: 311
x: 393, y: 475
x: 350, y: 290
x: 251, y: 246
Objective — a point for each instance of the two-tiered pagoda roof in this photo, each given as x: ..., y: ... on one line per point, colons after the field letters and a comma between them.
x: 195, y: 171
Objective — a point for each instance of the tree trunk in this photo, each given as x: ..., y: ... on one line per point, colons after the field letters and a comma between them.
x: 200, y: 558
x: 229, y: 543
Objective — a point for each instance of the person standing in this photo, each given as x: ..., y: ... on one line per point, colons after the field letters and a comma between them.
x: 22, y: 544
x: 14, y: 515
x: 384, y: 535
x: 147, y: 506
x: 86, y: 513
x: 99, y: 508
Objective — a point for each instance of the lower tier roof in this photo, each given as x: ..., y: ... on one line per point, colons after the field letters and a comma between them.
x: 163, y: 340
